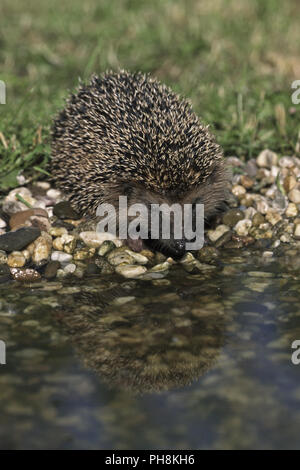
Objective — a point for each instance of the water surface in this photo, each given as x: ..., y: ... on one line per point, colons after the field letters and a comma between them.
x: 200, y: 362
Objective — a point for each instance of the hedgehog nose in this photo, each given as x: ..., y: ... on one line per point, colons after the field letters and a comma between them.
x: 177, y: 249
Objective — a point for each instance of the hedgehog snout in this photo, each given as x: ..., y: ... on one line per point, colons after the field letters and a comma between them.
x: 175, y: 248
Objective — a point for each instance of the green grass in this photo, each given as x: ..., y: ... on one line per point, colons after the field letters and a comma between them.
x: 234, y: 60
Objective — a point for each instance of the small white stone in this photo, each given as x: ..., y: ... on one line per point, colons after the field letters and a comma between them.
x: 123, y: 300
x: 63, y: 258
x: 238, y: 190
x: 294, y: 196
x: 285, y: 238
x: 266, y: 159
x: 291, y: 210
x: 70, y: 268
x: 138, y: 258
x: 242, y: 227
x: 297, y: 230
x: 273, y: 217
x: 95, y: 239
x: 42, y: 184
x: 250, y: 212
x: 54, y: 194
x: 214, y: 235
x: 286, y: 162
x: 261, y: 206
x: 267, y: 254
x: 130, y: 271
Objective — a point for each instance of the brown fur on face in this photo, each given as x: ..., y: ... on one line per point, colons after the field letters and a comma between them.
x: 211, y: 193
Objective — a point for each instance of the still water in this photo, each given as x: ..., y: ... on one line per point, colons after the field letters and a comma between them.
x: 193, y: 361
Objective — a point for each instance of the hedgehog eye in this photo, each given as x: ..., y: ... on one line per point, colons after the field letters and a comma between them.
x: 127, y: 190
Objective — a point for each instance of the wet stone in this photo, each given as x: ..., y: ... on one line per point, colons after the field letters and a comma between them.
x: 5, y: 274
x: 104, y: 266
x: 232, y: 216
x: 51, y: 269
x: 20, y: 218
x: 16, y: 241
x: 3, y: 257
x: 16, y: 259
x: 130, y: 271
x: 25, y: 275
x: 208, y: 254
x: 226, y: 237
x: 92, y: 269
x: 106, y: 247
x: 213, y: 235
x: 119, y: 256
x: 64, y: 210
x: 258, y: 219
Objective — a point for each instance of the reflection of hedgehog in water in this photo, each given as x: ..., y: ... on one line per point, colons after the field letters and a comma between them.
x: 127, y: 134
x: 150, y: 345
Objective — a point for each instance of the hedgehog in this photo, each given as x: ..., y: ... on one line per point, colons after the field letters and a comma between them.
x: 127, y: 134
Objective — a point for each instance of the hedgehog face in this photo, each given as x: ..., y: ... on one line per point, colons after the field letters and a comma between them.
x: 210, y: 193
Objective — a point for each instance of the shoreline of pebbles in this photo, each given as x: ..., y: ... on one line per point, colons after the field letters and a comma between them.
x: 41, y: 236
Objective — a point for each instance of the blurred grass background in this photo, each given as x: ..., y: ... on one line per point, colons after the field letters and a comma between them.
x: 235, y: 60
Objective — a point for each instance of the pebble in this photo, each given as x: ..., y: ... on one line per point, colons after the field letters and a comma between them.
x: 5, y: 274
x: 54, y: 194
x: 232, y: 216
x: 208, y: 254
x: 238, y: 191
x: 130, y: 271
x: 266, y: 159
x: 58, y: 231
x: 95, y: 239
x: 70, y: 268
x: 16, y: 259
x: 63, y: 258
x: 243, y: 226
x: 213, y: 235
x: 291, y: 210
x: 116, y: 257
x: 25, y: 275
x: 42, y: 249
x: 64, y: 210
x: 286, y: 162
x: 3, y: 257
x: 246, y: 181
x: 138, y: 257
x: 51, y: 269
x: 258, y: 219
x: 123, y: 300
x: 11, y: 204
x: 19, y: 239
x: 68, y: 243
x: 289, y: 183
x: 297, y: 231
x: 84, y: 253
x: 273, y: 217
x: 294, y: 196
x: 106, y: 247
x: 226, y: 237
x: 19, y: 219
